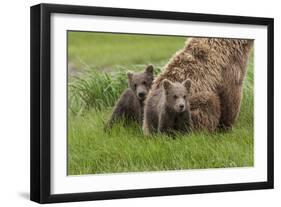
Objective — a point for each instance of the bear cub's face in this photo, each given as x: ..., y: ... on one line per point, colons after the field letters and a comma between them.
x: 177, y: 95
x: 141, y: 82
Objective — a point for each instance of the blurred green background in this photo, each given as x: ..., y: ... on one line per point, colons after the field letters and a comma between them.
x: 104, y: 51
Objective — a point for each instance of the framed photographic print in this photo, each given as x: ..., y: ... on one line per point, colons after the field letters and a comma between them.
x: 133, y: 103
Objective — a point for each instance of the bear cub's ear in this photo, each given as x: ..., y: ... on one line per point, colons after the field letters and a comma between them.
x: 149, y: 69
x: 130, y: 75
x: 166, y: 84
x: 187, y: 84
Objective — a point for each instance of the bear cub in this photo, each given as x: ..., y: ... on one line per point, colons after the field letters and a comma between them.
x: 130, y: 105
x: 167, y: 109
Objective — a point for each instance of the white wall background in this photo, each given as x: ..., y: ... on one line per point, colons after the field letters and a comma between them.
x: 14, y: 101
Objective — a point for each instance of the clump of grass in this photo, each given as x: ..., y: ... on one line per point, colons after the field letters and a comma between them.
x: 95, y: 89
x: 98, y: 90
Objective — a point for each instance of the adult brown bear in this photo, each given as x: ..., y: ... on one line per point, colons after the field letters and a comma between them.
x: 216, y: 68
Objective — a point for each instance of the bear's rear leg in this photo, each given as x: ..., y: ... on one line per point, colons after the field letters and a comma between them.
x: 205, y: 111
x: 230, y: 107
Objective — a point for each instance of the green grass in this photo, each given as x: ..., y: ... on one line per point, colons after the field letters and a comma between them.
x: 125, y: 149
x: 98, y: 90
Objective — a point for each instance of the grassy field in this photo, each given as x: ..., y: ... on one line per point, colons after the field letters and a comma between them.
x: 103, y: 60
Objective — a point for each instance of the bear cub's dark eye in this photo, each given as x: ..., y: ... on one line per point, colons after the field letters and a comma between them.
x: 144, y: 83
x: 184, y: 97
x: 175, y: 97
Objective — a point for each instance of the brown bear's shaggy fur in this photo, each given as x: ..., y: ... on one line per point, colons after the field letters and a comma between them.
x: 205, y: 110
x: 167, y: 109
x: 216, y: 66
x: 130, y: 105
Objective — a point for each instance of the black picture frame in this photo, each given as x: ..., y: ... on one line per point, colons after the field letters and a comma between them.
x: 41, y: 98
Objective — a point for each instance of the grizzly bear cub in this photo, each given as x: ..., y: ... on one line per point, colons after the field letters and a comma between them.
x: 167, y: 109
x: 129, y: 107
